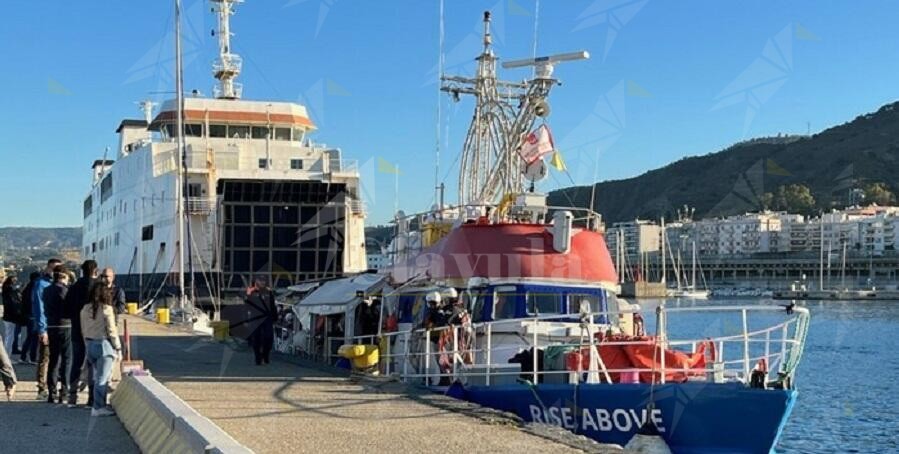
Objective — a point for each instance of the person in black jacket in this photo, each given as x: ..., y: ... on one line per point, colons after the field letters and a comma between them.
x: 59, y: 334
x: 29, y: 347
x: 261, y: 318
x: 77, y: 297
x: 12, y: 313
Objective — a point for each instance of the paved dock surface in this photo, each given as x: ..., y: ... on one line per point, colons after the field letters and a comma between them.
x: 27, y: 425
x: 285, y: 407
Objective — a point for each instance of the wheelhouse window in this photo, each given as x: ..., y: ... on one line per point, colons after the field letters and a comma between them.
x: 296, y: 164
x: 544, y: 302
x: 238, y: 132
x: 218, y: 131
x: 596, y: 305
x: 260, y: 132
x: 473, y: 302
x: 298, y: 135
x: 282, y: 133
x: 574, y: 302
x: 504, y: 303
x: 193, y: 130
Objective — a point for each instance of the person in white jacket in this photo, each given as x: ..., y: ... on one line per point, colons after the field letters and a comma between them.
x: 101, y: 337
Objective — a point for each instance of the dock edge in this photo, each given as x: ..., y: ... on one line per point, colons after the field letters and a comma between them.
x: 159, y: 421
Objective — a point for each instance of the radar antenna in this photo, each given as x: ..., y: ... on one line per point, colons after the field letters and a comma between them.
x: 228, y: 65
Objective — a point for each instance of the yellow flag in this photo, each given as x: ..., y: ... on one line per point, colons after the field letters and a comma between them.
x: 557, y: 161
x: 384, y: 166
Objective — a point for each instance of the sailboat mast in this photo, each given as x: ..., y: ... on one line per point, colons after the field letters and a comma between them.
x: 821, y: 256
x: 843, y: 269
x: 179, y: 200
x: 664, y: 236
x: 693, y: 275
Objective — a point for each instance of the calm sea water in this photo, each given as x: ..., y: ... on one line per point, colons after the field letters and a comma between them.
x: 848, y: 380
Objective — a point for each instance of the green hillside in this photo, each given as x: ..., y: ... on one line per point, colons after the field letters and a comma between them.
x: 734, y: 180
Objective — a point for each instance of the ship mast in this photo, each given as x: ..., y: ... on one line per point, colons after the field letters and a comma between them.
x: 228, y: 65
x: 179, y: 191
x: 504, y: 113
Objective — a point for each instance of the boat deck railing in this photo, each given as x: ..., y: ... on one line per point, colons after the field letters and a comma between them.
x: 470, y: 353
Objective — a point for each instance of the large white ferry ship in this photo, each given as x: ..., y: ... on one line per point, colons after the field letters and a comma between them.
x: 253, y: 194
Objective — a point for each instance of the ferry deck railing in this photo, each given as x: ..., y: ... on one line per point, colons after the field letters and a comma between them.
x: 780, y: 345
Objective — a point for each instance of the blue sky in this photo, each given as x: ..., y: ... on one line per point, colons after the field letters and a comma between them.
x: 667, y: 80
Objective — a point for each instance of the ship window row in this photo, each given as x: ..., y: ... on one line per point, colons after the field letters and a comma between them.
x: 237, y: 132
x: 545, y: 303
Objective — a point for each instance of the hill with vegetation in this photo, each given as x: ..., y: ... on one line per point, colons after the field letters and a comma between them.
x: 40, y: 238
x: 806, y: 174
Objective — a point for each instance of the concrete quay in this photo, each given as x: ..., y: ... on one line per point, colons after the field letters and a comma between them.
x: 301, y: 407
x: 28, y: 425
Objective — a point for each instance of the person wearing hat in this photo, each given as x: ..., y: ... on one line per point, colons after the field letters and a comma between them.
x: 434, y: 316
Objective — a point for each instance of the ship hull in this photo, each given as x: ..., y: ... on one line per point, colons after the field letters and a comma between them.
x: 692, y: 417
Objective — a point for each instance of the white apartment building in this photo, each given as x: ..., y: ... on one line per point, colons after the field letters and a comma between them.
x: 638, y: 236
x: 873, y: 229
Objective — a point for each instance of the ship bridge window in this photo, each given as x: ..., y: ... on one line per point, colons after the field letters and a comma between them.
x: 238, y: 132
x: 193, y: 130
x: 299, y: 134
x: 282, y: 133
x: 544, y: 302
x: 574, y: 302
x: 260, y: 132
x: 190, y: 130
x: 473, y: 301
x: 609, y: 309
x: 218, y: 131
x: 504, y: 300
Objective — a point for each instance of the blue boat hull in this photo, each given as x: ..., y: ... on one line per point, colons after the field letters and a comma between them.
x: 692, y: 417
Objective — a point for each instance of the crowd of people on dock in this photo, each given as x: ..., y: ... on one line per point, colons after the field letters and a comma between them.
x: 65, y: 326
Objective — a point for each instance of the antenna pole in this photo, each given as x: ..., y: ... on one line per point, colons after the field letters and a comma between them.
x: 228, y: 65
x: 439, y: 110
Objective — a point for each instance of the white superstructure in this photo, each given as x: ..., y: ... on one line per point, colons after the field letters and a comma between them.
x: 260, y: 196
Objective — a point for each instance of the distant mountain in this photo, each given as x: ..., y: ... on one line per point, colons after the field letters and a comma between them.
x: 734, y: 180
x: 40, y: 238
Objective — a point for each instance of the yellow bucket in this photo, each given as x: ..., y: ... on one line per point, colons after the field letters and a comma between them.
x: 221, y: 330
x: 131, y: 308
x: 162, y: 316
